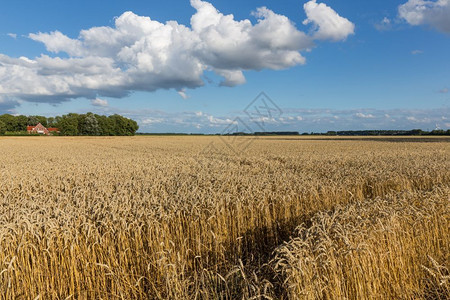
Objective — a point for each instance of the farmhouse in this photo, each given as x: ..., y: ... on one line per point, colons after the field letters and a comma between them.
x: 40, y: 129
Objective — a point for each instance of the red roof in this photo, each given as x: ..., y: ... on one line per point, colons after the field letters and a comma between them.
x: 40, y: 127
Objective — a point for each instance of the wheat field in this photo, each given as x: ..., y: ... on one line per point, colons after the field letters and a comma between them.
x: 161, y: 218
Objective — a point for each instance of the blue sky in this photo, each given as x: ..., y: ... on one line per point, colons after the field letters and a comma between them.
x: 351, y: 65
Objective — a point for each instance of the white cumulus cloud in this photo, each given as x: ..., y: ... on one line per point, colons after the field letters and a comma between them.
x: 141, y: 54
x: 432, y: 13
x: 99, y: 102
x: 364, y: 116
x: 329, y: 24
x: 218, y: 121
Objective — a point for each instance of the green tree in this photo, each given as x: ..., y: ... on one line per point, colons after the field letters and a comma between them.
x: 438, y: 132
x: 56, y: 121
x: 42, y: 120
x: 9, y: 121
x: 132, y: 127
x: 68, y: 125
x: 416, y: 132
x: 123, y: 126
x: 50, y: 121
x: 89, y: 125
x: 21, y: 123
x: 32, y: 121
x: 105, y: 124
x: 2, y: 127
x: 118, y: 124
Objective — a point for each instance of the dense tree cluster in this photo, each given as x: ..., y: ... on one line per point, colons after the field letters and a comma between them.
x: 72, y: 124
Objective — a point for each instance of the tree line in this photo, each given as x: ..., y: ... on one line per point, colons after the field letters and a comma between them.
x: 413, y: 132
x: 71, y: 124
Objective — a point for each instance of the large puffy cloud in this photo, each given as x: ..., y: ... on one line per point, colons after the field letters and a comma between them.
x: 141, y: 54
x: 226, y: 44
x: 433, y: 13
x: 329, y: 24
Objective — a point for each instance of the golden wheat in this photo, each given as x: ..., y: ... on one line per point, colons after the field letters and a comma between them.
x: 376, y: 249
x: 158, y: 217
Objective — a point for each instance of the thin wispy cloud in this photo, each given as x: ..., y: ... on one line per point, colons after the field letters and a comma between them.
x: 384, y: 24
x: 151, y: 121
x: 183, y: 94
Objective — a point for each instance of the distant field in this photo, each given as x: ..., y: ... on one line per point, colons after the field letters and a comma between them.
x: 179, y: 217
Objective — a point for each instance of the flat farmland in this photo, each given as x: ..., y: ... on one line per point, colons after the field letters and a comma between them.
x: 206, y: 217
